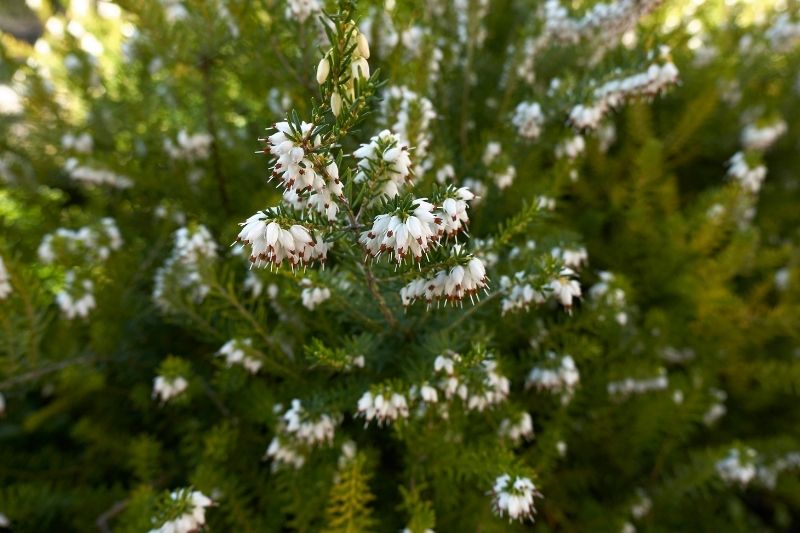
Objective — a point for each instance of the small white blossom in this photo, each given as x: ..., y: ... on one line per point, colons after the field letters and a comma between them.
x: 750, y: 178
x: 514, y: 497
x: 737, y: 468
x: 448, y: 285
x: 571, y: 148
x: 5, y: 281
x: 385, y: 160
x: 193, y: 518
x: 235, y: 353
x: 562, y: 379
x: 565, y: 288
x: 96, y: 176
x: 272, y: 244
x: 404, y: 234
x: 761, y: 137
x: 519, y: 430
x: 528, y: 119
x: 191, y: 148
x: 166, y: 388
x: 630, y: 386
x: 313, y: 295
x: 382, y: 406
x: 81, y: 144
x: 76, y: 299
x: 302, y: 9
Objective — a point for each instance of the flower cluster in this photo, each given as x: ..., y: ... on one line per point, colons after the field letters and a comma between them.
x: 385, y: 160
x: 521, y: 294
x: 188, y: 147
x: 5, y: 281
x: 358, y: 48
x: 189, y: 514
x: 76, y: 298
x: 562, y: 379
x: 235, y: 353
x: 749, y: 177
x: 313, y: 295
x: 565, y: 288
x: 514, y: 497
x: 82, y: 144
x: 451, y: 285
x: 166, y: 388
x: 272, y: 244
x: 404, y: 232
x: 528, y: 119
x: 604, y: 22
x: 409, y: 115
x: 571, y: 257
x: 478, y: 386
x: 517, y: 431
x: 717, y: 409
x: 383, y: 405
x: 96, y: 176
x: 606, y: 292
x: 737, y: 468
x: 571, y: 148
x: 192, y: 249
x: 630, y: 386
x: 762, y: 136
x: 90, y: 243
x: 613, y: 93
x: 302, y: 9
x: 301, y: 171
x: 297, y: 432
x: 454, y: 210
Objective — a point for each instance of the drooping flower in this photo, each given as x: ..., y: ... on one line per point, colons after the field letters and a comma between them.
x: 404, y: 234
x: 385, y: 160
x: 235, y: 353
x: 514, y: 497
x: 166, y: 388
x: 272, y: 244
x: 451, y: 285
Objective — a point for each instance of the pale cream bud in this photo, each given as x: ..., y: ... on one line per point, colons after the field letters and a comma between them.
x: 363, y: 46
x: 323, y: 69
x: 336, y: 104
x: 360, y: 64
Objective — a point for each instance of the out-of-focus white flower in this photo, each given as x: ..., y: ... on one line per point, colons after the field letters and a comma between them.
x: 528, y: 119
x: 167, y: 388
x: 629, y: 386
x: 385, y: 406
x: 5, y: 281
x: 10, y: 103
x: 514, y: 497
x: 235, y: 353
x: 191, y: 148
x: 761, y: 137
x: 562, y: 379
x: 750, y: 178
x: 313, y: 295
x: 76, y: 298
x: 193, y: 517
x: 517, y: 431
x: 738, y: 468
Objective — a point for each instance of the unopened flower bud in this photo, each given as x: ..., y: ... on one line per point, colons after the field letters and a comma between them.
x: 323, y: 69
x: 336, y: 104
x: 363, y: 46
x: 360, y: 68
